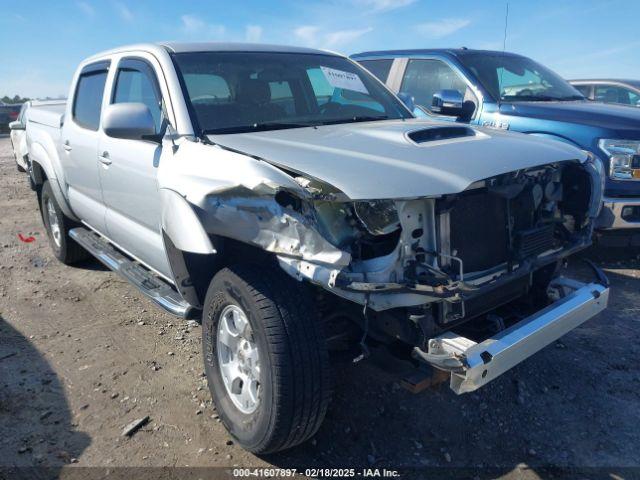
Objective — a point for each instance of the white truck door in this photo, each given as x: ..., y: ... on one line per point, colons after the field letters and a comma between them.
x: 128, y: 170
x: 80, y: 145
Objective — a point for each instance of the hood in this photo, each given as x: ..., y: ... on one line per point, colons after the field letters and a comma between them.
x: 623, y: 120
x: 379, y: 160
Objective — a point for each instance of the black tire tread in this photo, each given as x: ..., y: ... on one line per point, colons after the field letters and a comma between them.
x: 71, y: 252
x: 298, y: 354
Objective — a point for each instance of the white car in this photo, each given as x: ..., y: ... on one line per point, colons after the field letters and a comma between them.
x: 18, y: 129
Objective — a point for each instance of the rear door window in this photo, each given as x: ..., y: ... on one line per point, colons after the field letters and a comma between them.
x: 380, y: 68
x: 584, y: 90
x: 615, y: 94
x: 87, y: 104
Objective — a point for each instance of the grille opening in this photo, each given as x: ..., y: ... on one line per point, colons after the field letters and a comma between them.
x: 440, y: 133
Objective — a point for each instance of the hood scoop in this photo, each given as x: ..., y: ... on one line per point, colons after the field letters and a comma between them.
x: 440, y: 133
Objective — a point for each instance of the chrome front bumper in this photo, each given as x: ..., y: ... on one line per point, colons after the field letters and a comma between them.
x: 611, y: 214
x: 473, y: 365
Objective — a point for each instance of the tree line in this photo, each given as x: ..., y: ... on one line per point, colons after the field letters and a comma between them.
x: 14, y: 99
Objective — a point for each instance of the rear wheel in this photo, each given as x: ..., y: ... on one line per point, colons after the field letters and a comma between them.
x: 265, y: 357
x: 58, y: 225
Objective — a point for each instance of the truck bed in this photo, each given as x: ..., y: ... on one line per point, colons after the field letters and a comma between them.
x: 49, y: 114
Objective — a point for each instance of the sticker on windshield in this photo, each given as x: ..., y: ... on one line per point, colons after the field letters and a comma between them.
x: 345, y: 80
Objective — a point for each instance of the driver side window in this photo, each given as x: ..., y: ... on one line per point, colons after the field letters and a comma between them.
x: 423, y: 78
x: 136, y: 83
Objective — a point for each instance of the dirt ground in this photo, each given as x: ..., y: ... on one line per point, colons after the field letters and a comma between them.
x: 82, y: 355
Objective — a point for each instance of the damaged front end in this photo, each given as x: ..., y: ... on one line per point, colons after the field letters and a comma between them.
x: 424, y: 268
x: 450, y: 249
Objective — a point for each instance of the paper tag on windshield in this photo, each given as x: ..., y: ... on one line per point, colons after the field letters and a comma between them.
x: 345, y: 80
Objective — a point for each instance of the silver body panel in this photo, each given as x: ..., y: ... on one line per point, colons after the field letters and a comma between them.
x: 396, y: 166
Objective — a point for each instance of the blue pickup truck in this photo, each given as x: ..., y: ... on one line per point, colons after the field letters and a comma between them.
x: 512, y: 92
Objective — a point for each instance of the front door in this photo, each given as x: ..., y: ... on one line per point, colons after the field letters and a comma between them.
x: 128, y: 170
x: 422, y: 78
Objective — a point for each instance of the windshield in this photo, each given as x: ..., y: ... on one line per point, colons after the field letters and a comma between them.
x: 512, y: 78
x: 234, y: 92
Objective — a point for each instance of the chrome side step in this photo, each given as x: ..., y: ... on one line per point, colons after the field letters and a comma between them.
x: 152, y: 286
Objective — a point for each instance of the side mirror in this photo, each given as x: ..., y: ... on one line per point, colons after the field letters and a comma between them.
x: 130, y: 121
x: 16, y: 125
x: 407, y: 100
x: 448, y: 102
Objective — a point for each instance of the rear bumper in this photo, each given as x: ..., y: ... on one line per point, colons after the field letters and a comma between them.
x: 613, y: 215
x: 473, y: 365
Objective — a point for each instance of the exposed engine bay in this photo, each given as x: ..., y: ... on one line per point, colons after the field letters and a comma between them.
x: 449, y: 249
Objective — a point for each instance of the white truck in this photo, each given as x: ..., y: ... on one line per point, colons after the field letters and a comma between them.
x: 278, y: 193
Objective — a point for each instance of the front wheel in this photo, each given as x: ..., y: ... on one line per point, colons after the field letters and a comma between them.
x: 265, y: 357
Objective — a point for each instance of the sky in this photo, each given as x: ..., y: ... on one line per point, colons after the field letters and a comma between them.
x: 42, y: 41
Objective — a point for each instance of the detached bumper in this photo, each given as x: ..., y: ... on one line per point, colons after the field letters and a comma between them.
x: 473, y: 365
x: 619, y: 213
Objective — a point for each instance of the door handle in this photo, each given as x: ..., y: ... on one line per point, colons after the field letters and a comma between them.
x: 67, y: 146
x: 104, y: 158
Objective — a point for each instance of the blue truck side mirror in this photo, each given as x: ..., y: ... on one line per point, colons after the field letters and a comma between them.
x: 448, y: 102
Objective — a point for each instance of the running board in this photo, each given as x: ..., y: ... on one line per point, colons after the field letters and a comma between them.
x: 152, y: 286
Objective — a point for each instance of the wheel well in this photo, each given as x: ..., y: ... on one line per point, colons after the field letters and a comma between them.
x: 194, y: 271
x: 38, y: 175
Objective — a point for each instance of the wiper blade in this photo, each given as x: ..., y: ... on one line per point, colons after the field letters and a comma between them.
x: 358, y: 118
x: 257, y: 127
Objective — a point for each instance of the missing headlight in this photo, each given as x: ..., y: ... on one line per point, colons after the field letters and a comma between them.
x: 378, y: 217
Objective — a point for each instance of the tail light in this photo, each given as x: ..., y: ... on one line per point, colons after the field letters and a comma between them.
x: 13, y: 115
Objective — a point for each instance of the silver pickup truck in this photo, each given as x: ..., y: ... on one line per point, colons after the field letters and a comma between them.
x: 284, y: 195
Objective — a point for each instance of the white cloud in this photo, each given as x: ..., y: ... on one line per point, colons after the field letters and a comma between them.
x: 344, y: 37
x: 377, y: 6
x: 307, y: 34
x: 253, y: 33
x: 313, y: 36
x: 86, y: 8
x: 442, y: 28
x: 193, y: 25
x: 124, y: 12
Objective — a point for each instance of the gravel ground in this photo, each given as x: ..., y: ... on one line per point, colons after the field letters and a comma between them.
x: 82, y: 355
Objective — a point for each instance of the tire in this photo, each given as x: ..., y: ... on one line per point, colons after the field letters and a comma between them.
x: 64, y: 247
x: 294, y: 384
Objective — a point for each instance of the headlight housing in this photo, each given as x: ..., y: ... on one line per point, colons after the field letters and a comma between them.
x: 378, y: 217
x: 624, y: 158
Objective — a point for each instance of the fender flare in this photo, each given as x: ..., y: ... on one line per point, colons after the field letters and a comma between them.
x: 38, y: 156
x: 181, y: 224
x: 182, y: 233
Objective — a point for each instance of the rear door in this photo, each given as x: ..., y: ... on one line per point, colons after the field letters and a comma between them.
x: 79, y: 154
x: 128, y: 169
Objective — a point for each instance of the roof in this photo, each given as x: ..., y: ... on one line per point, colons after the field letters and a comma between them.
x: 184, y: 47
x: 431, y: 51
x: 632, y: 83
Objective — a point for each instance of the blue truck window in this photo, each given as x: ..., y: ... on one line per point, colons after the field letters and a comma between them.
x: 380, y: 68
x: 423, y: 78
